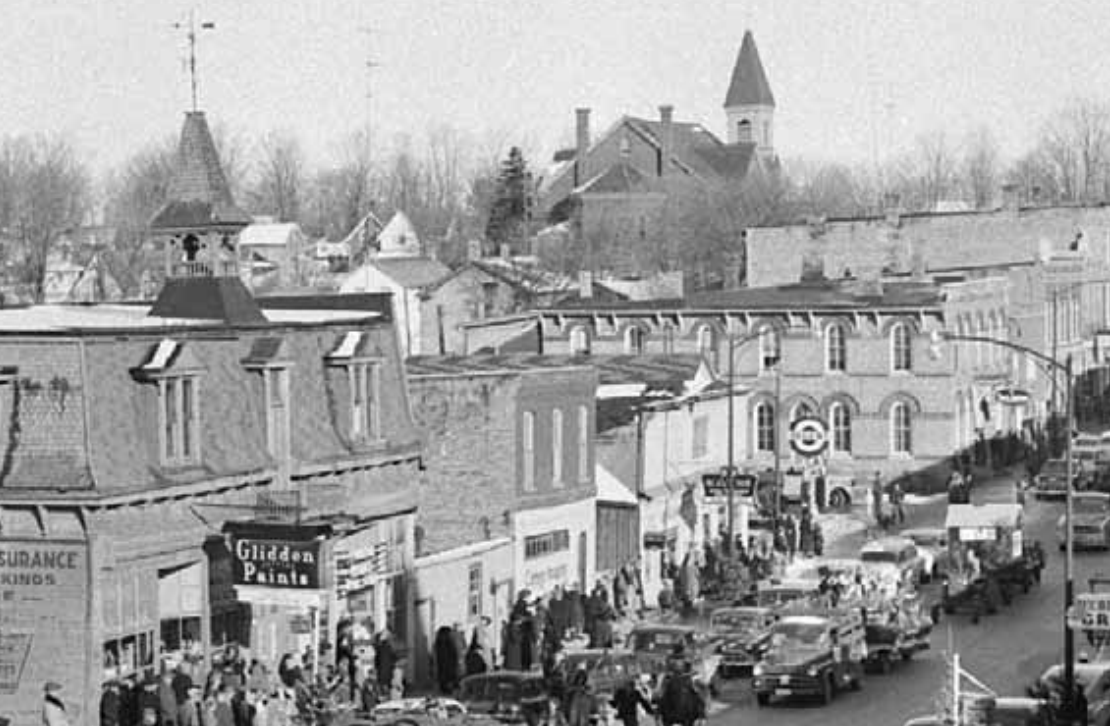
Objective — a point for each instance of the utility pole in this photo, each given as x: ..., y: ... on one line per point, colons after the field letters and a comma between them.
x: 1069, y: 573
x: 371, y: 64
x: 730, y: 472
x: 191, y: 29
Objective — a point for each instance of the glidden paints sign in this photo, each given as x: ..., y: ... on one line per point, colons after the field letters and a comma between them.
x: 276, y: 563
x: 44, y: 598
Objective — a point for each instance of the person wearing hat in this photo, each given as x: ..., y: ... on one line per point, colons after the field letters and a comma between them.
x: 191, y: 711
x: 53, y: 710
x: 110, y: 704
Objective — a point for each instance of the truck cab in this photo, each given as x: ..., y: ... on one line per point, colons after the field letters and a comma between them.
x: 815, y: 652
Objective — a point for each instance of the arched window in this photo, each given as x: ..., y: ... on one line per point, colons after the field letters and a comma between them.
x: 634, y: 341
x: 744, y: 131
x: 765, y: 427
x: 769, y: 349
x: 668, y: 339
x: 836, y: 349
x: 901, y: 355
x: 840, y: 426
x: 579, y: 341
x: 901, y: 429
x: 706, y: 341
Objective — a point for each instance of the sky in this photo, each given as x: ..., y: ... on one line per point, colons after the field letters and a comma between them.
x: 854, y: 80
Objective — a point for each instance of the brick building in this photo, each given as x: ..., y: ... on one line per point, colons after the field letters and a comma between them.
x: 1056, y: 261
x: 203, y: 470
x: 858, y: 354
x: 509, y: 466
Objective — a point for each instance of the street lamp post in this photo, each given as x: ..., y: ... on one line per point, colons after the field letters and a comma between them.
x: 730, y: 471
x: 1069, y: 415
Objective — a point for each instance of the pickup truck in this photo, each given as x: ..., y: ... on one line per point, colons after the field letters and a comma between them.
x: 814, y: 652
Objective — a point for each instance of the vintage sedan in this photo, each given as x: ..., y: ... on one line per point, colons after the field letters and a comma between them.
x: 655, y: 644
x: 932, y: 545
x: 1090, y: 521
x: 742, y: 635
x: 899, y: 552
x: 1050, y: 481
x: 509, y: 697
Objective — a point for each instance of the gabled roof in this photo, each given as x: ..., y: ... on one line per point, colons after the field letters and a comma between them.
x: 697, y: 150
x: 621, y: 178
x: 528, y: 278
x: 398, y: 238
x: 411, y: 272
x: 270, y: 234
x: 198, y: 196
x: 749, y: 86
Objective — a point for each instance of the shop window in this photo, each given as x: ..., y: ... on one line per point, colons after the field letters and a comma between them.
x: 528, y: 465
x: 549, y: 543
x: 699, y: 447
x: 579, y: 341
x: 668, y: 339
x: 634, y: 340
x: 474, y: 591
x: 131, y: 654
x: 180, y: 608
x: 557, y: 447
x: 489, y: 299
x: 179, y: 419
x: 583, y: 444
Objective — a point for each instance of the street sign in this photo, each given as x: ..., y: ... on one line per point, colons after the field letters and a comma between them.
x: 809, y: 436
x: 1090, y: 612
x: 716, y: 485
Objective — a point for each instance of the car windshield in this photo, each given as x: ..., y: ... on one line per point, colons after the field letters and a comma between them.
x: 736, y: 622
x: 655, y: 641
x: 798, y: 635
x: 501, y: 689
x: 879, y: 556
x: 1089, y: 504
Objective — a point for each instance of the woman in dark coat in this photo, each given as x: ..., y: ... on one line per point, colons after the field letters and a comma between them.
x: 447, y: 660
x: 385, y: 659
x: 475, y: 656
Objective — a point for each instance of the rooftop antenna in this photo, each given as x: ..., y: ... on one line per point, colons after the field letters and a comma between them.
x: 191, y: 35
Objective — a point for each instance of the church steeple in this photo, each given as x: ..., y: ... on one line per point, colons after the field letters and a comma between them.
x: 749, y: 103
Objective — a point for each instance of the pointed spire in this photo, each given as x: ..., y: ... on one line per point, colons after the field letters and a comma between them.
x: 198, y: 197
x: 749, y: 86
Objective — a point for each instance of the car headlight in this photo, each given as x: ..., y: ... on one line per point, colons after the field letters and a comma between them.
x: 758, y: 670
x: 811, y: 671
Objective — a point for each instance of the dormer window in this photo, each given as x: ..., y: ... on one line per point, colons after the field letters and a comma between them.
x: 363, y: 385
x: 173, y: 367
x: 268, y: 356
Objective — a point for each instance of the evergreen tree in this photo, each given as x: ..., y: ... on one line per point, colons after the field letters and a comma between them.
x: 508, y: 217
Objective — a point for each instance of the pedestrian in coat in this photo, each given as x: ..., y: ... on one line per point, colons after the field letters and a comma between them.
x: 476, y: 656
x: 53, y: 710
x: 628, y: 700
x: 191, y: 712
x: 110, y: 704
x: 385, y: 658
x: 511, y: 648
x: 620, y: 592
x: 167, y: 700
x: 897, y: 496
x: 602, y: 634
x: 446, y: 660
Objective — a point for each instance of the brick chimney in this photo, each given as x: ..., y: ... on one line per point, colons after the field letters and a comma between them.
x: 666, y: 141
x: 582, y: 144
x: 1011, y: 199
x: 585, y: 284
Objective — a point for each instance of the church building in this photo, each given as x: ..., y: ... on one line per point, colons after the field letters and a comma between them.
x: 624, y: 196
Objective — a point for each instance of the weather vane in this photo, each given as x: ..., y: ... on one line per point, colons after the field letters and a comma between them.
x: 191, y: 35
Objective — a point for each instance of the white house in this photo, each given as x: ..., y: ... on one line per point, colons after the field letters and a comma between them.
x: 270, y: 246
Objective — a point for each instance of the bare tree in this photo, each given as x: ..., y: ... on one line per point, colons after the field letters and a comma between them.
x: 44, y: 190
x: 341, y: 195
x: 831, y: 190
x: 1074, y: 146
x: 134, y: 193
x: 980, y: 167
x: 231, y: 147
x: 935, y: 168
x: 279, y: 179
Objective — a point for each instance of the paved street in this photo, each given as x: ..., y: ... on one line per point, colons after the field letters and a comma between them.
x: 1004, y: 651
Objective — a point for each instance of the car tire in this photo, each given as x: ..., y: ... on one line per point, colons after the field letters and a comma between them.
x: 762, y: 699
x: 839, y: 499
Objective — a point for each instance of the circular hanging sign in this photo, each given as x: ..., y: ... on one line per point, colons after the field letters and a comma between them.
x: 809, y: 436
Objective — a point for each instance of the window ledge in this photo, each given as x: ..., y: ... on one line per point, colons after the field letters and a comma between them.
x: 901, y: 455
x: 176, y: 466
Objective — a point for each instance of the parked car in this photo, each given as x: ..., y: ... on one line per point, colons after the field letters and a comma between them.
x: 420, y: 712
x: 1090, y: 521
x: 932, y: 545
x: 1005, y: 711
x: 1049, y: 482
x: 1093, y: 678
x: 742, y: 635
x: 656, y: 643
x: 606, y: 669
x: 898, y: 551
x: 509, y: 697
